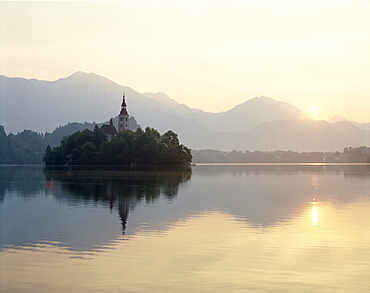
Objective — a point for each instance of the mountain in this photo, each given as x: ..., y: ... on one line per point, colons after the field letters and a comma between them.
x: 239, y: 119
x: 364, y: 126
x: 337, y: 118
x: 297, y: 135
x: 263, y: 123
x: 260, y: 123
x: 256, y: 111
x: 43, y: 105
x: 361, y: 126
x: 305, y: 135
x: 205, y: 118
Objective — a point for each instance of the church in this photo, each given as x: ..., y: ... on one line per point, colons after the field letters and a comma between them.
x: 123, y: 122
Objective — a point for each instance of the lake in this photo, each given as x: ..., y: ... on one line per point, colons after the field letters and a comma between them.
x: 206, y: 228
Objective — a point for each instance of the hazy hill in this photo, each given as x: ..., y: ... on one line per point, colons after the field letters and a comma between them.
x: 256, y: 111
x: 266, y: 124
x: 305, y: 135
x: 239, y: 119
x: 362, y: 126
x: 260, y: 123
x: 297, y: 135
x: 43, y: 105
x: 205, y: 118
x: 336, y: 118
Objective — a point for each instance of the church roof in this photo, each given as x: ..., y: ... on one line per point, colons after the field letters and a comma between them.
x: 123, y: 107
x: 123, y: 112
x: 108, y: 129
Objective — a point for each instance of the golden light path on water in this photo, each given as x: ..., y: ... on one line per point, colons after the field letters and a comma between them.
x: 210, y: 252
x: 315, y: 215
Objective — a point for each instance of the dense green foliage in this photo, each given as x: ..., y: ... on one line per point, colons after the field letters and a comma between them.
x: 26, y: 147
x: 140, y: 148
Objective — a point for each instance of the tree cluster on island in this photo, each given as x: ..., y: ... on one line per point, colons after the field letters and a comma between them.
x: 147, y: 147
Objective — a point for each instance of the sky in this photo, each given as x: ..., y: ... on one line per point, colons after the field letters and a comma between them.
x: 210, y: 55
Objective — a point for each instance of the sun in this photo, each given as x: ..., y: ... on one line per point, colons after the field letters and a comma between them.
x: 314, y: 109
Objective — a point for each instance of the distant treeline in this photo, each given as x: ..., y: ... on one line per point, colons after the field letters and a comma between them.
x: 349, y: 155
x: 28, y: 147
x: 140, y: 148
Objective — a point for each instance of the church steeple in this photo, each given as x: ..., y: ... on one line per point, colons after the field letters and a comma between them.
x: 123, y: 106
x: 123, y: 117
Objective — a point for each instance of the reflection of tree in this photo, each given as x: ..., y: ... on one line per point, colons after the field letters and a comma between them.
x: 116, y: 187
x: 27, y: 181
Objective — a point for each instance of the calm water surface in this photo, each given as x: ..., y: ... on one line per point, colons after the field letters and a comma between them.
x: 237, y: 228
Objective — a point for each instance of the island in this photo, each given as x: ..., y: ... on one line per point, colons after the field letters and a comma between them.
x: 141, y: 147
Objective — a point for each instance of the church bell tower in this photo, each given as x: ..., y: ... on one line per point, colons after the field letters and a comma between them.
x: 123, y: 117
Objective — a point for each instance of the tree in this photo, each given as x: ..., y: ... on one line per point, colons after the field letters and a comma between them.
x: 170, y: 138
x: 88, y: 153
x: 152, y: 132
x: 76, y: 157
x: 98, y: 137
x: 105, y: 155
x: 56, y: 156
x: 145, y: 149
x: 46, y: 156
x: 84, y: 136
x: 68, y: 142
x: 186, y: 155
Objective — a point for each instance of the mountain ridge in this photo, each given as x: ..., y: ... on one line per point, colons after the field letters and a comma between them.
x: 42, y: 105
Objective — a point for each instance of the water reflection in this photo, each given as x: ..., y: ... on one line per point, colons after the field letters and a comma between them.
x: 315, y: 213
x: 121, y: 188
x: 349, y: 171
x: 210, y: 252
x: 41, y: 218
x: 209, y: 229
x: 23, y: 181
x: 147, y: 199
x: 266, y: 195
x: 106, y: 184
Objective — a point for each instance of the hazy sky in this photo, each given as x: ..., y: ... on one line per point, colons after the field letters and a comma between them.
x: 207, y: 55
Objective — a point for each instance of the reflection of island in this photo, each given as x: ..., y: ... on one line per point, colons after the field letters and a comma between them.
x: 118, y: 188
x: 66, y: 206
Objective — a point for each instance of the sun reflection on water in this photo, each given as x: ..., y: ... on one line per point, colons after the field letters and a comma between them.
x: 208, y: 251
x: 314, y: 213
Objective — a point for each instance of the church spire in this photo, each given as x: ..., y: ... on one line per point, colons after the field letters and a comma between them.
x: 123, y: 106
x: 123, y: 117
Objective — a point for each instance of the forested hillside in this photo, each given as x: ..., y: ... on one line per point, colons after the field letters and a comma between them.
x: 27, y: 147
